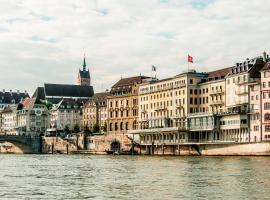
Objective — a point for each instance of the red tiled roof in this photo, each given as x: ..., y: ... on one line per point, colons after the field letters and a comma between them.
x: 219, y: 73
x: 129, y: 81
x: 29, y: 103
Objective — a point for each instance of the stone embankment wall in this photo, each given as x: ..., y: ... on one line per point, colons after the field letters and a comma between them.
x: 101, y: 144
x: 256, y: 149
x: 57, y: 145
x: 233, y: 149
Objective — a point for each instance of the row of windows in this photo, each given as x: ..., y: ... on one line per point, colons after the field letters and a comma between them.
x: 123, y: 113
x: 238, y: 80
x: 121, y: 103
x: 164, y: 86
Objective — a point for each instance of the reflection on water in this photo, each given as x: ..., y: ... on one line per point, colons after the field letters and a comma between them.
x: 133, y: 177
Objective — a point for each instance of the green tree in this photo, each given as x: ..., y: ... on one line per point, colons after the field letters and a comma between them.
x: 66, y: 129
x: 86, y: 129
x: 96, y: 128
x: 76, y: 128
x: 104, y: 127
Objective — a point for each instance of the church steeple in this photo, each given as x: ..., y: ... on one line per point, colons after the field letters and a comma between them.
x: 84, y: 77
x: 84, y: 63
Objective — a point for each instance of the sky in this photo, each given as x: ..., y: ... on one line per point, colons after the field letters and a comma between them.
x: 45, y: 41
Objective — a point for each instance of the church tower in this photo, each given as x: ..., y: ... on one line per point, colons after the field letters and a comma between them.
x: 84, y: 78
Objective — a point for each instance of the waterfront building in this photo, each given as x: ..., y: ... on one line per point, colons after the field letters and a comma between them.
x: 204, y: 124
x: 164, y: 107
x: 235, y: 124
x: 8, y: 120
x: 67, y: 113
x: 255, y: 111
x: 11, y: 98
x: 265, y: 101
x: 122, y: 105
x: 32, y: 117
x: 94, y: 112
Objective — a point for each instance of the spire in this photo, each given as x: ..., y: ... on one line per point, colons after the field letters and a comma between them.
x: 84, y: 64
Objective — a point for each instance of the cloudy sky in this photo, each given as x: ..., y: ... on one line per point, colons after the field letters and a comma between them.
x: 44, y: 41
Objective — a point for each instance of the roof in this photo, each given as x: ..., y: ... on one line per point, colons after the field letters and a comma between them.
x: 219, y: 73
x: 28, y: 103
x: 12, y: 97
x: 39, y: 94
x: 69, y: 104
x: 6, y: 110
x: 62, y: 90
x: 129, y: 81
x: 98, y: 98
x: 266, y: 67
x: 84, y: 73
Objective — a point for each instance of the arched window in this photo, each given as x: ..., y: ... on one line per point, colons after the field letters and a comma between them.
x: 126, y: 125
x: 267, y: 117
x: 111, y: 126
x: 121, y: 126
x: 115, y: 126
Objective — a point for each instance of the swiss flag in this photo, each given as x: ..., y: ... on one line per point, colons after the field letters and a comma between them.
x: 190, y: 59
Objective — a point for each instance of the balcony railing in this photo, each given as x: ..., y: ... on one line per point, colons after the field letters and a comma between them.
x: 154, y: 130
x: 216, y: 92
x: 241, y: 92
x: 217, y: 102
x: 241, y: 82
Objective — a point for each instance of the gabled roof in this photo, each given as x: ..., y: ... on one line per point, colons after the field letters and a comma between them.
x: 129, y: 81
x: 221, y: 73
x: 266, y: 67
x: 12, y: 97
x: 62, y: 90
x: 29, y: 103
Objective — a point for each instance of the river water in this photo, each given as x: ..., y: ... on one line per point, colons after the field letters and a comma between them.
x: 133, y: 177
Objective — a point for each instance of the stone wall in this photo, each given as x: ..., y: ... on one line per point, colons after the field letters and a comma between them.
x: 57, y: 145
x: 101, y: 144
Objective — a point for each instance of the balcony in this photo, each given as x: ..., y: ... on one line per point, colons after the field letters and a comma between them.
x: 241, y: 92
x: 179, y: 106
x: 216, y: 92
x: 217, y: 102
x: 156, y: 130
x: 160, y: 108
x: 241, y: 82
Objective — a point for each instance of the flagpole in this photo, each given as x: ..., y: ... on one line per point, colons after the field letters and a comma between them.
x: 188, y: 63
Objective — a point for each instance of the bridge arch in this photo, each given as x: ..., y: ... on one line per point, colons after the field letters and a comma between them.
x: 26, y: 144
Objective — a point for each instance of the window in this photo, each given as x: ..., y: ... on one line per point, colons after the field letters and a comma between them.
x: 267, y: 117
x: 267, y: 128
x: 264, y: 84
x: 191, y: 91
x: 191, y: 81
x: 266, y: 106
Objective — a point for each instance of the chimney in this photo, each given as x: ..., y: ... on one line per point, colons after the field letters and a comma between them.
x: 264, y: 56
x: 4, y: 90
x: 18, y: 91
x: 25, y: 92
x: 10, y: 91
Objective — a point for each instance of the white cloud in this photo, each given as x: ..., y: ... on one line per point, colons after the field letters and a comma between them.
x: 44, y: 41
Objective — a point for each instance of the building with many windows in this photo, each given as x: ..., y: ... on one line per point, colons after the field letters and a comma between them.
x: 122, y: 105
x: 95, y: 112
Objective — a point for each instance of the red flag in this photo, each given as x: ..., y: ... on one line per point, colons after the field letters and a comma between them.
x: 190, y: 59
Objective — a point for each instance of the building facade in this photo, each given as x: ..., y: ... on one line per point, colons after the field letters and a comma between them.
x: 122, y: 105
x: 95, y: 112
x: 265, y: 102
x: 32, y: 117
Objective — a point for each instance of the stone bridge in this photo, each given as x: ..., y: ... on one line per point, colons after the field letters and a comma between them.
x: 32, y: 143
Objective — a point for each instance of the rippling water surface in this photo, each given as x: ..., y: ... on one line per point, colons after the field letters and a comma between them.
x: 133, y: 177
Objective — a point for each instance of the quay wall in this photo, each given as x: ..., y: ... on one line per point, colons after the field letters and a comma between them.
x: 240, y: 149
